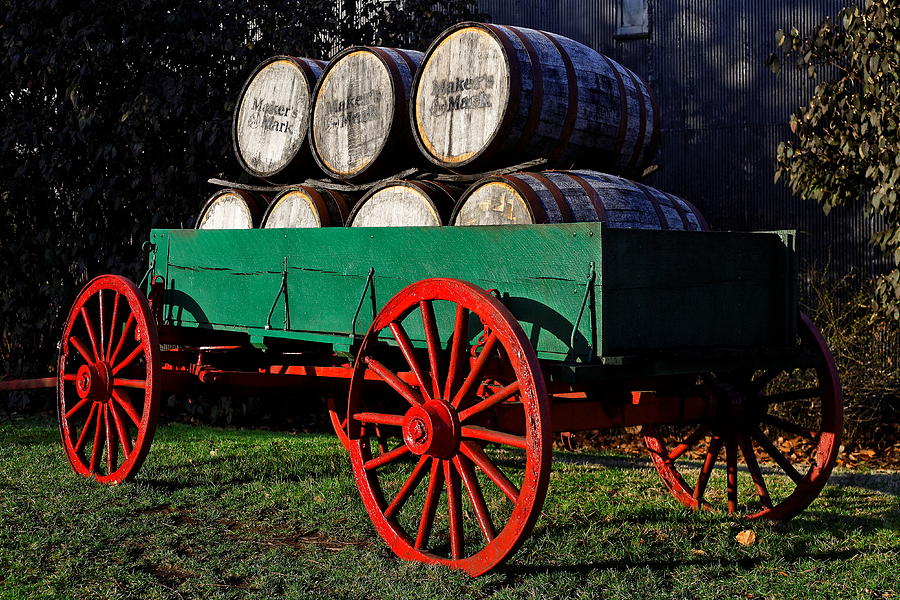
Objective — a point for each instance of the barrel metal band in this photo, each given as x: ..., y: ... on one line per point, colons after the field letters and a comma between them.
x: 572, y: 108
x: 676, y: 204
x: 564, y: 210
x: 642, y: 124
x: 538, y: 213
x: 592, y: 195
x: 623, y: 109
x: 537, y: 91
x: 515, y: 96
x: 663, y: 221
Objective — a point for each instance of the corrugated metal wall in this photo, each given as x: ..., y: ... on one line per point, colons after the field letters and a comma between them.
x: 723, y: 111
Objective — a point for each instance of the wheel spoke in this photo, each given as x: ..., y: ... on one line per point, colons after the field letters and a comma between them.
x: 731, y: 474
x: 112, y: 323
x: 127, y: 406
x: 703, y: 478
x: 435, y: 484
x: 409, y: 354
x: 128, y: 359
x: 77, y: 407
x: 475, y: 374
x: 101, y: 355
x: 765, y: 379
x: 432, y: 342
x: 112, y: 450
x: 790, y: 427
x: 408, y: 488
x: 454, y: 507
x: 457, y: 349
x: 89, y: 325
x: 490, y: 435
x: 755, y: 472
x: 804, y: 394
x: 395, y: 382
x: 502, y: 394
x: 477, y: 456
x: 687, y: 444
x: 776, y: 455
x: 97, y: 450
x: 122, y: 431
x: 82, y: 350
x: 82, y: 439
x: 482, y: 513
x: 379, y: 418
x: 388, y: 457
x: 129, y: 323
x: 138, y: 384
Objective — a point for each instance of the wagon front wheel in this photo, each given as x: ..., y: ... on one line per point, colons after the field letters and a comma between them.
x: 783, y: 424
x: 447, y: 376
x: 108, y: 380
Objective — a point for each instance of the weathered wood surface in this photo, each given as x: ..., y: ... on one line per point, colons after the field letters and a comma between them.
x: 405, y: 203
x: 492, y: 94
x: 573, y: 196
x: 306, y: 207
x: 653, y: 290
x: 360, y: 118
x: 271, y: 120
x: 231, y: 209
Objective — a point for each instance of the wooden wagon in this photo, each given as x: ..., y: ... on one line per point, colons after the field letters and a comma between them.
x: 452, y: 356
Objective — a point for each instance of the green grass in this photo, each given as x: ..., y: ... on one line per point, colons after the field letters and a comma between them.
x: 254, y: 514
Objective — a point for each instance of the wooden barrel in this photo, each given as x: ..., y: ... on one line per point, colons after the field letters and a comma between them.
x: 405, y: 203
x: 271, y: 119
x: 231, y: 209
x: 306, y: 207
x: 488, y: 95
x: 573, y: 196
x: 360, y: 119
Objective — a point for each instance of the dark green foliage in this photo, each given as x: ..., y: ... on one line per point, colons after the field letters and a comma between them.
x: 847, y: 145
x: 114, y: 114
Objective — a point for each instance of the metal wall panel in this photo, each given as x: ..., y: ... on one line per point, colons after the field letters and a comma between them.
x: 723, y: 111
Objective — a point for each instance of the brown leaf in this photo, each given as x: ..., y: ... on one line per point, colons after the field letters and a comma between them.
x: 746, y: 538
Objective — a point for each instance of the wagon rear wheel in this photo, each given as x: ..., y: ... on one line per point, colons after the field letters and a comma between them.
x: 108, y: 380
x: 779, y: 421
x: 450, y: 487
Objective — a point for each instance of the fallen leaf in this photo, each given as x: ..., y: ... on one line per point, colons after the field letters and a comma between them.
x: 746, y: 538
x: 697, y: 552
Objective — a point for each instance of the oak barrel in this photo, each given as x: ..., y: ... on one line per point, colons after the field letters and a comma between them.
x: 231, y: 209
x: 360, y: 116
x: 489, y: 95
x: 271, y: 119
x: 405, y: 203
x: 306, y: 207
x: 574, y: 196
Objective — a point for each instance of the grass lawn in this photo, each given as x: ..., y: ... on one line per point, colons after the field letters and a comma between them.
x: 219, y: 513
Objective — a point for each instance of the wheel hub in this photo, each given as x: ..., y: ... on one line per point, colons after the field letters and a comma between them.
x: 94, y: 381
x: 432, y: 428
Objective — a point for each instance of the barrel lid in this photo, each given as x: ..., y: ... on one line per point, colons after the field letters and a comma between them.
x: 461, y: 94
x: 396, y: 203
x: 494, y: 201
x: 228, y: 209
x: 271, y: 117
x: 353, y: 111
x: 297, y: 208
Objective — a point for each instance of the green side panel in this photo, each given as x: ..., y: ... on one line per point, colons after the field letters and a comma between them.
x: 652, y: 290
x: 674, y: 289
x: 230, y: 279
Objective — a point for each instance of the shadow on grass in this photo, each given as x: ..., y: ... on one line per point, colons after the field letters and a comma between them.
x: 743, y: 563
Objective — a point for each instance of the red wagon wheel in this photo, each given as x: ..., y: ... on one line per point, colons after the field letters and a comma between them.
x: 789, y: 417
x: 108, y: 380
x: 453, y: 489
